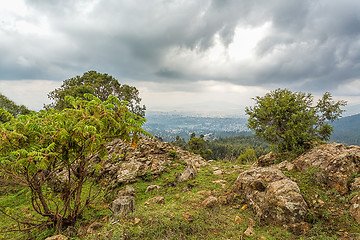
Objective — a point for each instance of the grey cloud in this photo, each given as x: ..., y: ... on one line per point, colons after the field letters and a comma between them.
x: 311, y: 44
x: 318, y: 46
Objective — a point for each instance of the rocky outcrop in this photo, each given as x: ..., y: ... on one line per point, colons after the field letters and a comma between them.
x: 150, y: 157
x: 274, y: 198
x: 331, y: 164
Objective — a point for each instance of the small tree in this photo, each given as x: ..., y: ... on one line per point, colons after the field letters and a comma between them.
x: 98, y: 84
x: 11, y: 108
x: 39, y: 149
x: 197, y: 145
x: 288, y: 119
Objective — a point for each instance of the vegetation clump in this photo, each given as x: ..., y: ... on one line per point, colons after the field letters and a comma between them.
x: 9, y: 109
x: 288, y: 120
x: 48, y: 153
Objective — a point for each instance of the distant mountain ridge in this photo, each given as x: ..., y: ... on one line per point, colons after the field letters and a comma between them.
x: 347, y: 130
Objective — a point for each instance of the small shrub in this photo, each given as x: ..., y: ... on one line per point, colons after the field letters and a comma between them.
x: 247, y: 157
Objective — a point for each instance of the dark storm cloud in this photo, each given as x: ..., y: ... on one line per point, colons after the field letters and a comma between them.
x: 320, y: 46
x: 310, y: 44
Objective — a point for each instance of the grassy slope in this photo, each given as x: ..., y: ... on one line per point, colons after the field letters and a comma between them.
x: 329, y: 211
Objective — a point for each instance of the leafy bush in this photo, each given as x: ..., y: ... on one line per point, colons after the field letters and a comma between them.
x: 50, y: 153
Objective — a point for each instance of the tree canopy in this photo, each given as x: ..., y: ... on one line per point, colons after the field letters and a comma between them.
x: 288, y: 120
x: 100, y: 85
x: 41, y: 149
x: 10, y: 108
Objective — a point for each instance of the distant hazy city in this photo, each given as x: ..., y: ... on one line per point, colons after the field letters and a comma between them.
x: 167, y: 125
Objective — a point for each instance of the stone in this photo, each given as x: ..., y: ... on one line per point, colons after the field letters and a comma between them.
x: 151, y: 187
x: 274, y: 197
x: 218, y: 172
x: 285, y: 165
x: 251, y: 222
x: 123, y: 205
x: 355, y: 186
x: 57, y: 237
x: 188, y: 174
x: 128, y: 172
x: 299, y: 228
x: 266, y: 160
x: 136, y: 221
x: 220, y: 181
x: 188, y: 216
x: 355, y: 208
x: 129, y: 191
x: 94, y: 227
x: 332, y: 164
x: 238, y: 219
x: 158, y: 199
x: 204, y: 192
x: 224, y: 200
x: 210, y: 202
x: 249, y: 232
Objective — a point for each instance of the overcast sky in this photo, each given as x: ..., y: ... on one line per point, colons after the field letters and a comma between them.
x: 207, y: 56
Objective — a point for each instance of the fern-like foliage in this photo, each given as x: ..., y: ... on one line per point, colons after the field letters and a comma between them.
x: 35, y: 148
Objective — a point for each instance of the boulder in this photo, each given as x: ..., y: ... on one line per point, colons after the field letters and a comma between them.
x: 332, y: 164
x: 123, y: 205
x: 266, y: 160
x: 275, y: 198
x: 188, y: 174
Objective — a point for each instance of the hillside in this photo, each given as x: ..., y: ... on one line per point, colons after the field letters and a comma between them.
x: 158, y: 191
x: 347, y: 130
